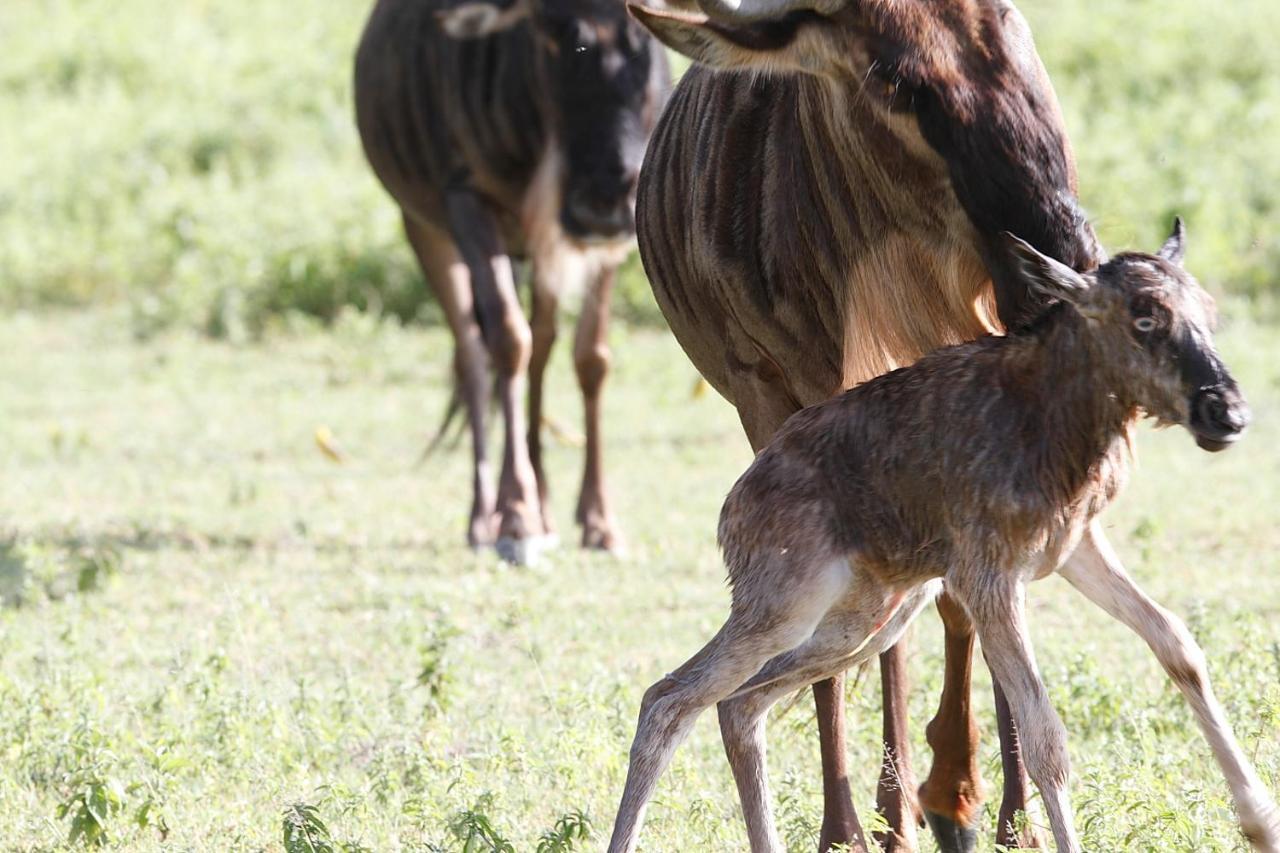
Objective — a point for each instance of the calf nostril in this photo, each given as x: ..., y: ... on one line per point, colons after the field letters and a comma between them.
x: 1237, y: 417
x: 1216, y: 411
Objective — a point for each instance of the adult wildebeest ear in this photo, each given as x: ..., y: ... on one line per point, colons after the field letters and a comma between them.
x: 790, y: 43
x: 1175, y: 248
x: 480, y: 19
x: 1042, y: 273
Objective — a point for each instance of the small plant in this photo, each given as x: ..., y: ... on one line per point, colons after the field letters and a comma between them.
x: 94, y: 795
x: 565, y: 835
x: 94, y: 567
x: 475, y: 832
x: 434, y: 674
x: 91, y: 805
x: 304, y: 830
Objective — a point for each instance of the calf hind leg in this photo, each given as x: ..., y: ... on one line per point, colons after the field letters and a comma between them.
x: 671, y: 706
x: 823, y: 658
x: 1013, y: 830
x: 759, y: 628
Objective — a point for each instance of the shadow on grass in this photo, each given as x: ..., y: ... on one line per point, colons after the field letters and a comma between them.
x: 157, y: 539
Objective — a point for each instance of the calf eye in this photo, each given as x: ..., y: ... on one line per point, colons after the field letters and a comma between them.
x: 1144, y: 324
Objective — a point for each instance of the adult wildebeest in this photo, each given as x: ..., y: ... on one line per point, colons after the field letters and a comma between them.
x: 514, y: 131
x: 985, y: 464
x: 822, y: 201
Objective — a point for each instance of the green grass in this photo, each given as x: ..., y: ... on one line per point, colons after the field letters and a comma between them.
x: 212, y: 634
x: 197, y: 161
x: 213, y: 637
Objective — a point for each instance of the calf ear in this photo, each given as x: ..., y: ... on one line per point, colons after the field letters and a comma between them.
x: 791, y: 43
x: 1175, y: 248
x: 479, y: 19
x: 1043, y: 274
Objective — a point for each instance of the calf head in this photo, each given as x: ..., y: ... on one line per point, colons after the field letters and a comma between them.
x: 960, y: 76
x: 1155, y: 326
x: 606, y: 80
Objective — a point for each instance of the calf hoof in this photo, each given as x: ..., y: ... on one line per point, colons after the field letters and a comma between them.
x: 951, y: 835
x: 527, y: 552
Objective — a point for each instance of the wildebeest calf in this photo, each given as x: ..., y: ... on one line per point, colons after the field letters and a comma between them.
x: 984, y: 464
x: 514, y: 130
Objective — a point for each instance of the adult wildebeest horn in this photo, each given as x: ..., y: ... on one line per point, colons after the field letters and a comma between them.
x: 746, y: 11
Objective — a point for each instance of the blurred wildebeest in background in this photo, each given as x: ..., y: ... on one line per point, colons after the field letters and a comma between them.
x: 824, y: 200
x: 514, y: 131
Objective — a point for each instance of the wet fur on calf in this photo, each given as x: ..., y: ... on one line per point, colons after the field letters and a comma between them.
x: 985, y: 464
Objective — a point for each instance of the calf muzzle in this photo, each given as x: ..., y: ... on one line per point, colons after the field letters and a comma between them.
x: 1219, y: 416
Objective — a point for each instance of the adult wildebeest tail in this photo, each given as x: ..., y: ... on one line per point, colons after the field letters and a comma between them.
x: 450, y: 419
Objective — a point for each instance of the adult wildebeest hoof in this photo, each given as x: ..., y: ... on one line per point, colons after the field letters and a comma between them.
x: 951, y: 835
x: 524, y: 552
x: 603, y: 539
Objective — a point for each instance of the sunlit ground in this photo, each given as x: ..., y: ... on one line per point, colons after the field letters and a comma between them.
x: 206, y: 620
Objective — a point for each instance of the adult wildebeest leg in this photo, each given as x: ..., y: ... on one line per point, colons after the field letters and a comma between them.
x: 1016, y: 784
x: 763, y: 405
x: 839, y: 819
x: 996, y: 603
x: 451, y: 280
x: 591, y: 362
x: 508, y: 339
x: 896, y: 790
x: 952, y: 793
x: 1096, y: 571
x: 546, y: 301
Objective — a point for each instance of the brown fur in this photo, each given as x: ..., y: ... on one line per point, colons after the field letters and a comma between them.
x: 985, y: 464
x: 821, y: 202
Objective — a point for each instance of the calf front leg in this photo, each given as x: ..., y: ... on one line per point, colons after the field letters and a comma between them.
x: 996, y: 604
x: 591, y: 361
x: 953, y: 793
x: 1096, y: 571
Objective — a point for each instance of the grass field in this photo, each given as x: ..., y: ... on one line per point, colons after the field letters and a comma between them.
x: 197, y: 161
x: 215, y: 637
x: 206, y: 621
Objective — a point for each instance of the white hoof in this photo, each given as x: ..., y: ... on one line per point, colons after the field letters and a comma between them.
x: 525, y: 552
